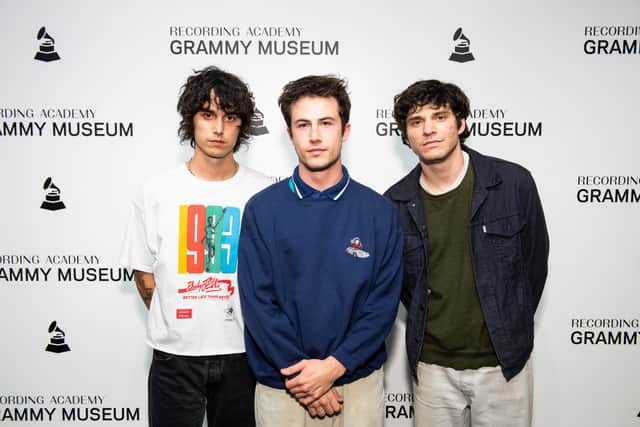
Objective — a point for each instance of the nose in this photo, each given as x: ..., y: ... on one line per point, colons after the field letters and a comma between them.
x: 218, y: 127
x: 428, y: 128
x: 315, y: 133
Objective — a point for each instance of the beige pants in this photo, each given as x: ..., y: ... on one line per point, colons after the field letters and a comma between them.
x: 363, y: 406
x: 445, y: 397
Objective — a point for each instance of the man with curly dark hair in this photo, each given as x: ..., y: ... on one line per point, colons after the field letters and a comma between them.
x: 182, y: 243
x: 475, y: 264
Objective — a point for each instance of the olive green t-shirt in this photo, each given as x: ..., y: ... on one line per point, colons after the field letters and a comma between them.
x: 456, y: 335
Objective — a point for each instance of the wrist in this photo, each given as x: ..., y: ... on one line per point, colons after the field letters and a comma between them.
x: 337, y: 368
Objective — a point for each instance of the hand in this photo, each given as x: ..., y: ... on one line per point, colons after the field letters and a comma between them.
x: 315, y: 378
x: 328, y: 404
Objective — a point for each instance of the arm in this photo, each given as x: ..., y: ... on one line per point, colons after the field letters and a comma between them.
x: 408, y: 286
x: 137, y: 253
x: 376, y: 316
x: 266, y: 322
x: 535, y: 242
x: 146, y: 284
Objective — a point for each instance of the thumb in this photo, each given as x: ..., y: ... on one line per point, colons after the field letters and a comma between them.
x: 295, y: 368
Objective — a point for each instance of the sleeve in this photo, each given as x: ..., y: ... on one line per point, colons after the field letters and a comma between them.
x: 266, y: 323
x: 136, y: 251
x: 378, y: 313
x: 408, y: 286
x: 535, y: 241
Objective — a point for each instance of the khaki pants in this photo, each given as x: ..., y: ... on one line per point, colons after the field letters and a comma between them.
x: 363, y: 406
x: 445, y: 397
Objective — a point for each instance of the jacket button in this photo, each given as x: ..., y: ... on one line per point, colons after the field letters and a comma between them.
x: 428, y: 291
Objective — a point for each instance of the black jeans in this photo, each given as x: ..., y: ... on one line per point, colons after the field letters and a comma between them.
x: 181, y: 388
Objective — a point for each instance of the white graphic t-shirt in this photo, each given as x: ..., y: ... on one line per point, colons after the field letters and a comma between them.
x: 185, y: 231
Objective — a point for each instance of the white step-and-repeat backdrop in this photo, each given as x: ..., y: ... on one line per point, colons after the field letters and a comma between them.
x: 87, y: 113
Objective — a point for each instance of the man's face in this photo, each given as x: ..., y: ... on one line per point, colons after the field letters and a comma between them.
x: 316, y: 132
x: 215, y: 132
x: 433, y: 133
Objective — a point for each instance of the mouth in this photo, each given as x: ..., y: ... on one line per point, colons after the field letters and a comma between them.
x: 316, y: 151
x: 216, y: 142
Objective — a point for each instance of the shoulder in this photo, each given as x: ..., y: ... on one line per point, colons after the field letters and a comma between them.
x: 162, y: 183
x: 274, y: 193
x: 256, y: 176
x: 508, y: 171
x: 362, y: 194
x: 404, y: 187
x: 509, y: 167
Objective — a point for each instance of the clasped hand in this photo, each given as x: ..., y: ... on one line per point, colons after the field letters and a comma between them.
x: 312, y: 386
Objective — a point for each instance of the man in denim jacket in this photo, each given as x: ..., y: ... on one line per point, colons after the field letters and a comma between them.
x: 475, y: 263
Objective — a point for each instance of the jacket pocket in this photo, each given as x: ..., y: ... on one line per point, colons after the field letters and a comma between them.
x: 504, y: 235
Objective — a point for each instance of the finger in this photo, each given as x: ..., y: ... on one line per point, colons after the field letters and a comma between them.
x: 337, y: 395
x: 295, y: 388
x: 306, y: 400
x: 312, y: 411
x: 326, y: 406
x: 290, y: 370
x: 335, y: 405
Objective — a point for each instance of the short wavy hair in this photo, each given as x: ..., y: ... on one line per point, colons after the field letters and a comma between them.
x: 430, y: 92
x: 232, y: 96
x: 327, y: 86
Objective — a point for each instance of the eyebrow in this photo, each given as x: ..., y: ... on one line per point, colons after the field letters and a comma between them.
x: 441, y: 110
x: 304, y: 120
x: 209, y: 110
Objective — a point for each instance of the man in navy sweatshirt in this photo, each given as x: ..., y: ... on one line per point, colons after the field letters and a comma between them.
x: 319, y: 275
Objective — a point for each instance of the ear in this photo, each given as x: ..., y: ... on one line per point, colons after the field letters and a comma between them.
x: 347, y: 131
x: 463, y: 126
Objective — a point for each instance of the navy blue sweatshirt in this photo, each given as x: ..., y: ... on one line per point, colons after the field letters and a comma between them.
x: 319, y: 274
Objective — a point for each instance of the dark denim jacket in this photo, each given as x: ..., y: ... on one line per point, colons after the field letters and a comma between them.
x: 510, y: 248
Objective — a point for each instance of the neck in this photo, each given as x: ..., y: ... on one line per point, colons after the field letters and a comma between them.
x: 441, y: 176
x: 212, y: 168
x: 321, y: 180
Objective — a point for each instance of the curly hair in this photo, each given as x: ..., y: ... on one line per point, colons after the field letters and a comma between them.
x: 328, y: 86
x: 232, y: 95
x: 430, y: 92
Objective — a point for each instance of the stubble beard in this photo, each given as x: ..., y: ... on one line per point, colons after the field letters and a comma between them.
x: 438, y: 160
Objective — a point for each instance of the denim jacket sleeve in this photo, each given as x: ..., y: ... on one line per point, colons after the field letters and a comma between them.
x: 535, y: 240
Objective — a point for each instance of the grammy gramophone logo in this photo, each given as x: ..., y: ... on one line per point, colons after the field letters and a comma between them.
x: 47, y: 50
x: 461, y: 50
x: 52, y: 201
x: 56, y: 339
x: 257, y: 124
